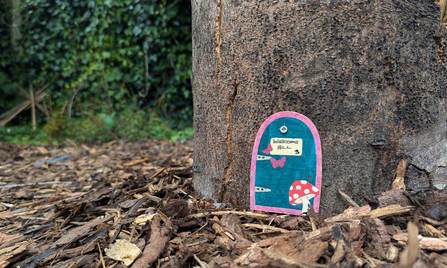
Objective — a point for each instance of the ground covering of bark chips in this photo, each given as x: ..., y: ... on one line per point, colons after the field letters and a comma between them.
x: 133, y: 205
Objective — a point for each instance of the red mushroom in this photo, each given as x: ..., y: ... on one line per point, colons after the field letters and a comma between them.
x: 301, y: 192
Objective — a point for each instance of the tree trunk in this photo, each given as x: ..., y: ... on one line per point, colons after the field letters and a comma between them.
x: 371, y: 75
x: 15, y: 25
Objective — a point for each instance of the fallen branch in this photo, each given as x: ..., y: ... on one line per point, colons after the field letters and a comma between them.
x: 10, y: 114
x: 28, y: 97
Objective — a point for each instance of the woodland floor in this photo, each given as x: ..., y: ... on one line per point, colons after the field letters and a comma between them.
x: 133, y: 204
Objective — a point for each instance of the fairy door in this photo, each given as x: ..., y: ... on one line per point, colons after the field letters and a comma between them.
x: 286, y: 165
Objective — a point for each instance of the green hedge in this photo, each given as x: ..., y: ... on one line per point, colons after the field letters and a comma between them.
x: 108, y: 43
x: 8, y: 60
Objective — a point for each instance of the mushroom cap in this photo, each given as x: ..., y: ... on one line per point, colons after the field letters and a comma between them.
x: 300, y: 189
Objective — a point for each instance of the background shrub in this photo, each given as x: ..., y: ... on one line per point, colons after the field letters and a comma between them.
x: 127, y: 58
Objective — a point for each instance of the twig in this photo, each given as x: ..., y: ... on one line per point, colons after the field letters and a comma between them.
x: 201, y: 263
x: 349, y: 199
x: 410, y: 254
x: 158, y: 172
x: 312, y: 223
x: 45, y: 107
x: 41, y: 237
x: 51, y: 106
x: 387, y: 211
x: 424, y: 179
x: 9, y: 115
x: 33, y: 106
x: 198, y: 230
x: 146, y: 80
x: 28, y: 97
x: 433, y: 222
x: 152, y: 198
x: 73, y: 96
x: 63, y: 107
x: 112, y: 134
x: 71, y: 142
x: 102, y: 257
x: 267, y: 228
x: 239, y: 213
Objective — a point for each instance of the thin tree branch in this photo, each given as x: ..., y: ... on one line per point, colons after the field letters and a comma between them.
x: 73, y: 96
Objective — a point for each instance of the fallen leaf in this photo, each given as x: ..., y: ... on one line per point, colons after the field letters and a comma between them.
x: 123, y: 250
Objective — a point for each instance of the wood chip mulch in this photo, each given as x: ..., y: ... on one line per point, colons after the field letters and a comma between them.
x: 133, y: 205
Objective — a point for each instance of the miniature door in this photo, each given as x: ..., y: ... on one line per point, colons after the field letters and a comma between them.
x: 286, y: 165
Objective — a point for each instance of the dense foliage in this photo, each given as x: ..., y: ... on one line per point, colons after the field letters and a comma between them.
x: 124, y: 56
x: 8, y: 60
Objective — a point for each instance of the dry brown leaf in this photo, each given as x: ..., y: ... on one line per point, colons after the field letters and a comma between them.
x: 42, y: 150
x: 392, y: 253
x: 143, y: 219
x: 123, y: 250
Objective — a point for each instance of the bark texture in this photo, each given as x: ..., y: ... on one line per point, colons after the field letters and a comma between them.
x: 371, y: 75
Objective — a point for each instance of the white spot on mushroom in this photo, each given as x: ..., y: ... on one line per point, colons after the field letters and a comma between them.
x: 295, y: 196
x: 291, y: 187
x: 306, y: 191
x: 315, y: 189
x: 303, y: 182
x: 290, y: 198
x: 298, y: 187
x: 293, y: 204
x: 298, y: 201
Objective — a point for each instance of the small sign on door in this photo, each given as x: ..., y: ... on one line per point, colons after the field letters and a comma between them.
x: 286, y: 165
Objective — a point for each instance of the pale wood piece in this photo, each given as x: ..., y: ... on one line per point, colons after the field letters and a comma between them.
x: 410, y: 254
x: 28, y: 97
x: 398, y: 182
x: 9, y: 115
x: 33, y: 106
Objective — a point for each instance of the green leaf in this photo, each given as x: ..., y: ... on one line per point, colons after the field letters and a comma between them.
x: 106, y: 54
x: 115, y: 75
x: 108, y: 120
x: 137, y: 30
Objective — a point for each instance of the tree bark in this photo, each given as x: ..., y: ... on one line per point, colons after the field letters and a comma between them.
x: 15, y: 25
x: 371, y: 75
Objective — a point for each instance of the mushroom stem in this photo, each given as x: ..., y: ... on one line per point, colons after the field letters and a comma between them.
x: 305, y: 205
